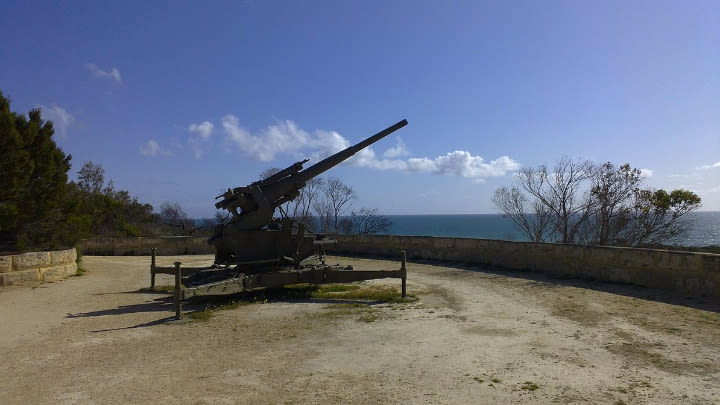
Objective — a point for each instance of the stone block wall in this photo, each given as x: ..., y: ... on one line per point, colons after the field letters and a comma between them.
x: 696, y: 274
x: 38, y: 266
x: 684, y: 272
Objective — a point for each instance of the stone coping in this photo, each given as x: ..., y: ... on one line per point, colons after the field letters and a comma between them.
x: 38, y: 266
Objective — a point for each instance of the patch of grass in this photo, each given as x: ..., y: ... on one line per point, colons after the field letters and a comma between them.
x: 210, y: 309
x: 78, y: 261
x: 338, y: 291
x: 529, y: 386
x: 201, y: 316
x: 357, y: 292
x: 478, y: 379
x: 496, y: 380
x: 331, y: 288
x: 367, y: 318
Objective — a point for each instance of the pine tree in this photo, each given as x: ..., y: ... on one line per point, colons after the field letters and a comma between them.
x: 33, y: 184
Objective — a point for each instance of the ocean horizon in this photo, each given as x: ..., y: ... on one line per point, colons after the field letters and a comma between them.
x: 705, y: 230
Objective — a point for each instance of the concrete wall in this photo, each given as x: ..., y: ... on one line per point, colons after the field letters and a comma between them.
x: 38, y: 266
x: 684, y: 272
x: 173, y: 245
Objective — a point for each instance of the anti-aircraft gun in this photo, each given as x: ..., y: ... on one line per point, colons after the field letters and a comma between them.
x: 252, y: 235
x: 254, y: 250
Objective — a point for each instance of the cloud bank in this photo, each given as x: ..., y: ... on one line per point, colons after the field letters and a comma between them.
x: 285, y: 137
x: 112, y: 74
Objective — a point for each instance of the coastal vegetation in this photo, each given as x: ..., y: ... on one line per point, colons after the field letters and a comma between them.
x: 590, y: 203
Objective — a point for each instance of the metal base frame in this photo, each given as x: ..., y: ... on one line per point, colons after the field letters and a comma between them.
x: 236, y: 282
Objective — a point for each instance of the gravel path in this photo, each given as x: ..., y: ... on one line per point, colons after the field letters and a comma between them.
x: 473, y: 336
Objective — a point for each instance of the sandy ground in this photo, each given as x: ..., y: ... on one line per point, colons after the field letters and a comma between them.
x: 473, y: 336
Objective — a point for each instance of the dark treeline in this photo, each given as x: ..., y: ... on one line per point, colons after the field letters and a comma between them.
x: 40, y: 208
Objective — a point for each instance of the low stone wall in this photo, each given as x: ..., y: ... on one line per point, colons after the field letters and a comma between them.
x: 38, y: 266
x: 172, y: 245
x: 685, y: 272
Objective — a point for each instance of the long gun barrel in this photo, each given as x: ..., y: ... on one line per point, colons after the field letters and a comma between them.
x: 325, y: 164
x: 259, y: 199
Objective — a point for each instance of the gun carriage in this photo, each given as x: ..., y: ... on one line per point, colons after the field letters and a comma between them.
x: 254, y: 250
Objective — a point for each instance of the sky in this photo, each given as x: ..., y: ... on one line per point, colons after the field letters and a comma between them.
x: 179, y: 101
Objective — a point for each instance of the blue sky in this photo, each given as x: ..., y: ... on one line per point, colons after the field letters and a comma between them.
x: 180, y: 100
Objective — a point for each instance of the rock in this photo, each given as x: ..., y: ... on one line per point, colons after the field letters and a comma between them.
x: 5, y: 264
x: 33, y: 260
x: 59, y: 257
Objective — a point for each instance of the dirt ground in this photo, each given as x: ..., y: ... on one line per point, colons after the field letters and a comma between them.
x: 472, y: 336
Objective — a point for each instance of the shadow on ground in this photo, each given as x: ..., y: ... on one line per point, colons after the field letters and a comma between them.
x: 628, y: 290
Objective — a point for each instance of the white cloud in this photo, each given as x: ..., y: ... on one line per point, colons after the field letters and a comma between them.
x: 60, y: 118
x: 646, y: 172
x: 152, y: 148
x: 464, y: 164
x: 201, y: 133
x: 397, y: 151
x: 706, y: 167
x: 112, y: 74
x: 203, y: 130
x: 285, y: 137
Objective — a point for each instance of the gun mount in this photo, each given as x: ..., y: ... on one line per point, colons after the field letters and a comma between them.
x: 254, y: 251
x: 248, y: 236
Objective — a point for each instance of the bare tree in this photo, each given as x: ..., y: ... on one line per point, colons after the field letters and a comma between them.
x: 172, y: 214
x: 581, y: 202
x: 323, y: 213
x: 535, y: 224
x: 339, y: 198
x: 560, y: 192
x: 300, y: 209
x: 368, y: 222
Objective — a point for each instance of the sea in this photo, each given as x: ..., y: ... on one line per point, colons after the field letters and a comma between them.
x: 704, y: 232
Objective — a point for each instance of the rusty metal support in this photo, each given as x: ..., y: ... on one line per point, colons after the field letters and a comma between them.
x: 152, y: 268
x: 178, y: 292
